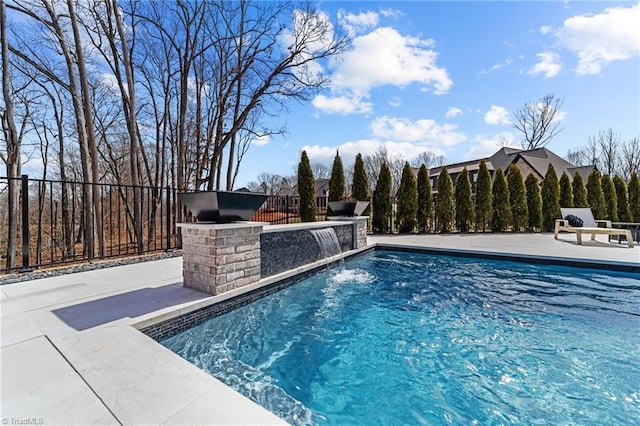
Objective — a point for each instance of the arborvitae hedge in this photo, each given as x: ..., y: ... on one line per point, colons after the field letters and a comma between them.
x: 517, y: 199
x: 464, y: 205
x: 483, y: 198
x: 633, y: 189
x: 579, y: 191
x: 502, y: 217
x: 610, y: 198
x: 381, y: 218
x: 534, y: 202
x: 624, y: 212
x: 425, y: 200
x: 566, y: 191
x: 360, y: 181
x: 595, y: 196
x: 444, y: 201
x: 407, y: 199
x: 336, y: 182
x: 550, y: 199
x: 306, y: 190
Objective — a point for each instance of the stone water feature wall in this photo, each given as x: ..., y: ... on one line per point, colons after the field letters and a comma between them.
x: 221, y: 257
x: 288, y: 248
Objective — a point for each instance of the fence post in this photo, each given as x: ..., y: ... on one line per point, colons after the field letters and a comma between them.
x: 25, y: 225
x: 286, y: 208
x: 168, y: 219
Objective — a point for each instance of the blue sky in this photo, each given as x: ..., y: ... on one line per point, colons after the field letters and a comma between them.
x: 445, y: 77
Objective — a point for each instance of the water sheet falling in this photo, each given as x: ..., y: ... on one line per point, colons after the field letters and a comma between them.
x: 327, y: 241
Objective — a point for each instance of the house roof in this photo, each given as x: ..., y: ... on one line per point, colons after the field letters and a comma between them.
x: 322, y: 187
x: 538, y: 159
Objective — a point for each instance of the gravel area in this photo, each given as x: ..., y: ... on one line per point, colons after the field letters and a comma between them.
x: 74, y: 268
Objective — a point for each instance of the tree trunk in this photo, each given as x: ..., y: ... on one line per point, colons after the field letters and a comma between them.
x: 12, y: 159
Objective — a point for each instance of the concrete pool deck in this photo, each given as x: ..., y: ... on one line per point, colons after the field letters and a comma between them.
x: 70, y: 352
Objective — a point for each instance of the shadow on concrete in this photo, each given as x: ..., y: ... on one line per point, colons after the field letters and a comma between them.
x: 126, y: 305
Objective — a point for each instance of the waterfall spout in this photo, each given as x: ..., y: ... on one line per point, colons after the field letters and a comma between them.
x: 327, y: 241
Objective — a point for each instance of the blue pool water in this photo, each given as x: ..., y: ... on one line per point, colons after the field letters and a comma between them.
x: 405, y: 338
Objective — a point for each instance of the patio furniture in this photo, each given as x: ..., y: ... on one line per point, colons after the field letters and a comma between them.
x: 589, y: 226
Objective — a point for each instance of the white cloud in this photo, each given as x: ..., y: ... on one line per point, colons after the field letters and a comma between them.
x: 341, y: 104
x: 599, y: 39
x: 453, y: 112
x: 545, y: 29
x: 485, y: 145
x: 385, y: 57
x: 395, y: 102
x: 261, y: 140
x: 426, y: 132
x: 497, y: 115
x: 357, y: 23
x: 400, y: 137
x: 549, y: 64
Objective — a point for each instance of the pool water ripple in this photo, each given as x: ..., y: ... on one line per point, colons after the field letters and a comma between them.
x: 400, y: 338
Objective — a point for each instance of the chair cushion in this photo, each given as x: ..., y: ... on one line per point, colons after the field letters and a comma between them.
x: 573, y: 220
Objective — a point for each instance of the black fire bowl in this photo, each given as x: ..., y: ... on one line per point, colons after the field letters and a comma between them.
x: 223, y: 206
x: 348, y: 208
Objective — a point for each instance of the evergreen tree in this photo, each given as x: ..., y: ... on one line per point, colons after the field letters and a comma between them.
x: 550, y: 199
x: 407, y: 199
x: 595, y: 196
x: 517, y: 198
x: 566, y: 191
x: 502, y: 218
x: 579, y: 191
x: 534, y: 202
x: 360, y: 181
x: 610, y: 198
x: 624, y: 212
x: 381, y: 217
x: 464, y: 205
x: 633, y: 189
x: 483, y: 198
x: 425, y: 200
x: 336, y: 182
x: 306, y: 190
x: 444, y: 201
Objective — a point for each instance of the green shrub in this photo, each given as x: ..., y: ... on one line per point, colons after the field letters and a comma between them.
x: 381, y: 217
x: 306, y: 190
x: 566, y: 191
x: 425, y: 200
x: 595, y: 196
x: 464, y: 205
x: 360, y: 181
x: 407, y: 199
x: 444, y: 201
x: 610, y: 198
x: 550, y: 199
x: 336, y: 182
x: 534, y: 202
x: 624, y: 212
x: 579, y: 191
x: 633, y: 189
x: 517, y: 198
x: 483, y: 198
x: 502, y: 217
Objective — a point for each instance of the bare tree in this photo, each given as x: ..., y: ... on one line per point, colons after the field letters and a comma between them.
x: 320, y: 171
x: 538, y: 121
x: 429, y: 159
x: 630, y: 161
x: 11, y: 155
x: 607, y: 143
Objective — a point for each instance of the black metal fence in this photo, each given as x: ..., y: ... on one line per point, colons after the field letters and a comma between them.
x: 50, y: 221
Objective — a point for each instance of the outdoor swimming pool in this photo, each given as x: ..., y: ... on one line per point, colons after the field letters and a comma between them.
x: 409, y: 338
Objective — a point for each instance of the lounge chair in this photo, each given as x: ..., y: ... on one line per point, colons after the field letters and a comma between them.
x: 589, y: 226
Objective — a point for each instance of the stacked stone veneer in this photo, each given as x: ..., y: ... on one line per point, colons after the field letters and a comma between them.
x: 220, y: 257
